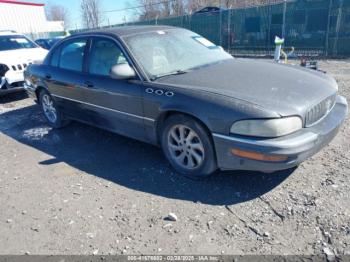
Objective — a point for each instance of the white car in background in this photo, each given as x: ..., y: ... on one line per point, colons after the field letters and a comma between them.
x: 16, y: 53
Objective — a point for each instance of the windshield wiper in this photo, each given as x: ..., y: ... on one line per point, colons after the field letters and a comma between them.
x: 176, y: 72
x: 209, y: 64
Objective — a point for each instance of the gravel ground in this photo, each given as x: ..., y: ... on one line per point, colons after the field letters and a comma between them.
x: 82, y: 190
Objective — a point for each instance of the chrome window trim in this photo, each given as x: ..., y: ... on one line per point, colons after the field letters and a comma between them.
x: 105, y: 108
x: 117, y: 41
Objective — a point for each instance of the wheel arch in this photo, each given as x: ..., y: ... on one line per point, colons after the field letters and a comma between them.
x: 170, y: 112
x: 166, y: 114
x: 38, y: 90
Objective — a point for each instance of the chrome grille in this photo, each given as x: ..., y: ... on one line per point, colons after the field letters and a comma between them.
x: 319, y: 111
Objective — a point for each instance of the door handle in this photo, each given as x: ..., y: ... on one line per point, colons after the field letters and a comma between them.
x: 88, y: 84
x: 47, y: 76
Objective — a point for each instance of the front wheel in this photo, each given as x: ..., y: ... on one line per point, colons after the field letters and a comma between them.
x: 188, y: 147
x: 51, y: 112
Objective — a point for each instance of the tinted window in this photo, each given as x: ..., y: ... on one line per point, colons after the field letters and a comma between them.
x: 52, y: 41
x: 72, y: 55
x: 39, y: 42
x: 104, y: 55
x: 45, y: 44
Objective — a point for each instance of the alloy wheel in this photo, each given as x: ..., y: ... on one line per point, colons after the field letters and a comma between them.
x: 186, y: 147
x: 49, y: 108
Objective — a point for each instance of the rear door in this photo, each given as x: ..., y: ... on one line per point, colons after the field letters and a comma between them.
x: 113, y: 104
x: 66, y: 77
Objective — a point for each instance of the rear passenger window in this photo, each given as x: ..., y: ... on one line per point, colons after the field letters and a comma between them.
x: 104, y: 55
x: 72, y: 55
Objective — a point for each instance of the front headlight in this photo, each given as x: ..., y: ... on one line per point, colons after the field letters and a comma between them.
x: 267, y: 127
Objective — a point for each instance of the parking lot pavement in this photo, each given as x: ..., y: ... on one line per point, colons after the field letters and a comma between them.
x: 82, y: 190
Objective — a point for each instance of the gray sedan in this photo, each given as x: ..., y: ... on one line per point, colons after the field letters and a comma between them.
x: 171, y: 87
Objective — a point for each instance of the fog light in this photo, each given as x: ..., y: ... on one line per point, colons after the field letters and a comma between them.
x: 258, y: 156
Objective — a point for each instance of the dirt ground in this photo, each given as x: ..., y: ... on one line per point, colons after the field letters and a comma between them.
x: 82, y: 190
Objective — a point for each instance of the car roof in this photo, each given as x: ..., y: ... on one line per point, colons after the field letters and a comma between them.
x: 127, y: 30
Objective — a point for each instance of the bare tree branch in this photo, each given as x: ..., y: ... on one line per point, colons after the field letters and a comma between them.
x: 91, y: 13
x: 152, y: 9
x: 58, y: 13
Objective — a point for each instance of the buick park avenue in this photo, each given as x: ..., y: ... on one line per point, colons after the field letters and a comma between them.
x: 173, y: 88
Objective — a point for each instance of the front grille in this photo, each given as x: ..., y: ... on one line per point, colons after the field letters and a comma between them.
x: 319, y: 111
x: 20, y: 67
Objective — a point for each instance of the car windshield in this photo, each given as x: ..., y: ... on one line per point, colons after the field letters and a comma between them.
x: 167, y: 52
x: 12, y: 42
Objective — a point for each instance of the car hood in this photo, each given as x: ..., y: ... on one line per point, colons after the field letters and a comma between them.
x: 284, y: 89
x: 13, y: 57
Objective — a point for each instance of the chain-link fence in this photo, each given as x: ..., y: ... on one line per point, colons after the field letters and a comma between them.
x: 312, y: 27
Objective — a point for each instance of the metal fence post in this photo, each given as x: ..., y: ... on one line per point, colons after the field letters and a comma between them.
x: 190, y: 21
x: 284, y: 18
x: 339, y: 17
x: 268, y: 37
x: 328, y: 25
x: 229, y: 31
x: 220, y: 23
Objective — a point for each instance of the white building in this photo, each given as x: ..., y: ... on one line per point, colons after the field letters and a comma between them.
x: 26, y: 18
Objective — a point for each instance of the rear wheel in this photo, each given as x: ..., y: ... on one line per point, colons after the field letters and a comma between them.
x: 51, y: 112
x: 188, y: 147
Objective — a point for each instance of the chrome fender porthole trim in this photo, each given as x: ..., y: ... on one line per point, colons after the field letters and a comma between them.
x: 149, y: 90
x: 169, y: 94
x: 159, y: 92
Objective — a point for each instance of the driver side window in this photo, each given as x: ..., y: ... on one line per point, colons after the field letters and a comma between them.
x: 104, y: 55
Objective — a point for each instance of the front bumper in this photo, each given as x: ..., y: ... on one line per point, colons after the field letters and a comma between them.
x: 12, y: 77
x: 31, y: 91
x: 297, y: 147
x: 6, y: 87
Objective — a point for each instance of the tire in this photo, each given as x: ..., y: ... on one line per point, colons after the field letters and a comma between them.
x: 50, y: 110
x: 193, y: 155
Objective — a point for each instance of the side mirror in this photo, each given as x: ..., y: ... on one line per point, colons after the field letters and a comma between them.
x: 122, y: 72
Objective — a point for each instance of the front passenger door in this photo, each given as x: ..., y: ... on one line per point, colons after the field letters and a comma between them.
x: 113, y: 104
